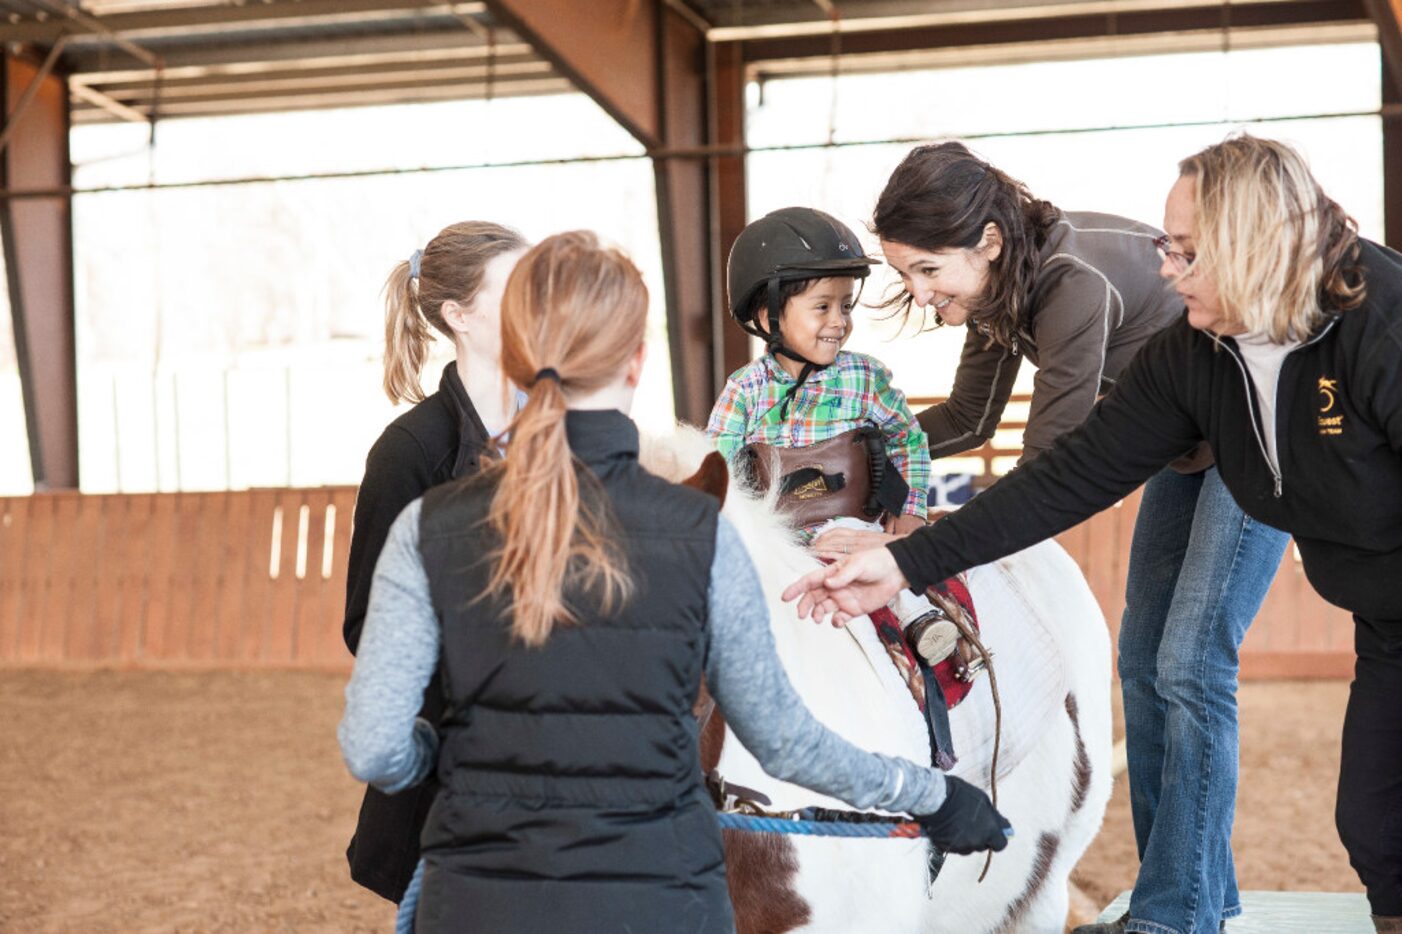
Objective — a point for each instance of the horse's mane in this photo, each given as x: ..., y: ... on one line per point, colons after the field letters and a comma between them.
x: 778, y: 554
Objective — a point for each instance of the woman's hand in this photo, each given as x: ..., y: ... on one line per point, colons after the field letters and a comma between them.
x: 854, y: 586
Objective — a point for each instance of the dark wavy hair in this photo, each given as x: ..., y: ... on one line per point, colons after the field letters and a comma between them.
x: 940, y: 197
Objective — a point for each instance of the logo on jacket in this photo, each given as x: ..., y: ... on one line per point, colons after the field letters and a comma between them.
x: 1328, y: 397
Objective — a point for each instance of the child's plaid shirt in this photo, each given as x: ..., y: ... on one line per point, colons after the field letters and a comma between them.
x: 853, y: 392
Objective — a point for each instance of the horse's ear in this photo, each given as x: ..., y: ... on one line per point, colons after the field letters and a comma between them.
x: 711, y: 477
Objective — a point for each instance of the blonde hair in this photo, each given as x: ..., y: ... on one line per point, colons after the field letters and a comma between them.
x: 450, y: 270
x: 1280, y: 251
x: 579, y: 308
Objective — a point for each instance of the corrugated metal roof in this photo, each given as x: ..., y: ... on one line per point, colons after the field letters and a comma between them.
x: 222, y: 57
x: 240, y: 56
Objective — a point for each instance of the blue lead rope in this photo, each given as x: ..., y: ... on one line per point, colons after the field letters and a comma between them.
x: 894, y: 828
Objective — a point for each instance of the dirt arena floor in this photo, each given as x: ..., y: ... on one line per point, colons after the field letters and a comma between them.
x: 165, y: 802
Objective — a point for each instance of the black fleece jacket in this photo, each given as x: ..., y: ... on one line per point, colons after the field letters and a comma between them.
x: 1339, y: 440
x: 440, y: 439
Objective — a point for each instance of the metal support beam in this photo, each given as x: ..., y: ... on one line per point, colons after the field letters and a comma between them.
x: 191, y: 20
x: 17, y: 110
x: 645, y: 63
x: 93, y: 24
x: 1078, y: 26
x: 607, y: 48
x: 683, y: 216
x: 1392, y: 160
x: 729, y: 210
x: 1387, y: 14
x: 37, y: 237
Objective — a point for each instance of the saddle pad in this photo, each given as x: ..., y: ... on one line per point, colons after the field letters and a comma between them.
x: 888, y: 630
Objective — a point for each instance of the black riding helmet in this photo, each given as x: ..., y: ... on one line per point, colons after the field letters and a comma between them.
x: 787, y: 245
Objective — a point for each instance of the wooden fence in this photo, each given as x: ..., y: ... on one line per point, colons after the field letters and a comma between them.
x: 251, y: 578
x: 257, y: 578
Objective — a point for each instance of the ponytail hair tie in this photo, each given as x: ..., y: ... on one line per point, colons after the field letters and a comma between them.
x: 546, y: 373
x: 414, y: 263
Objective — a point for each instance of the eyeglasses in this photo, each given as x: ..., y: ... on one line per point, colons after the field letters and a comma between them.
x: 1182, y: 262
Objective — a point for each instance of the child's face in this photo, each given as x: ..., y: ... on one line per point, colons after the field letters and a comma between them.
x: 817, y: 321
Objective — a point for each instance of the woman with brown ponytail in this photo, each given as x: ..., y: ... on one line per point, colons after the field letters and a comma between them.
x: 453, y: 286
x: 572, y: 602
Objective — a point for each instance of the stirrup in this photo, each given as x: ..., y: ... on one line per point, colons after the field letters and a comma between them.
x: 933, y: 637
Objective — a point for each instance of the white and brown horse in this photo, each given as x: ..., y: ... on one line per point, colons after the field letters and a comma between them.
x: 1052, y: 656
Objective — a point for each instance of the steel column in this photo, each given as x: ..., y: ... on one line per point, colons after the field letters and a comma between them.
x: 728, y: 199
x: 37, y: 237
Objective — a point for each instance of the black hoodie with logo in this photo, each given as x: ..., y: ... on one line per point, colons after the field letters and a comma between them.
x: 1338, y: 489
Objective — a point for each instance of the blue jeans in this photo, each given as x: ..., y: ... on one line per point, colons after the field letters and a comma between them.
x: 1198, y: 571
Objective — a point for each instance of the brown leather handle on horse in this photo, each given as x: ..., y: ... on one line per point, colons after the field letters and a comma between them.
x: 820, y: 481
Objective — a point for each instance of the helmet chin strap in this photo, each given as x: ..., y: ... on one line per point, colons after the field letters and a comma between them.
x: 774, y: 343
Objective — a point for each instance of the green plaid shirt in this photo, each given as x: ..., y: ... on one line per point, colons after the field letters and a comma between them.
x: 853, y: 392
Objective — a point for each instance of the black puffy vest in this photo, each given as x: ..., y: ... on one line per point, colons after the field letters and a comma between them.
x: 571, y: 793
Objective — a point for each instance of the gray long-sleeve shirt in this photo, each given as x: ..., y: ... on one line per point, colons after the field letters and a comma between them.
x: 384, y: 745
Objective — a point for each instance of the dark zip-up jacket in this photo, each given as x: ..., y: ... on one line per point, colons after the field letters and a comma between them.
x: 1338, y: 489
x: 440, y: 439
x: 1096, y: 299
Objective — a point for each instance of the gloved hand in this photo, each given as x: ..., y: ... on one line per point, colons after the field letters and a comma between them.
x: 967, y: 821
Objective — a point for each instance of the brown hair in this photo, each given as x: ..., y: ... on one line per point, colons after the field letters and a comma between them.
x: 1281, y: 253
x: 450, y: 270
x: 578, y: 308
x: 941, y: 197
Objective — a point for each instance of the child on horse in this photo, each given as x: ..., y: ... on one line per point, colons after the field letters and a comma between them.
x: 824, y: 423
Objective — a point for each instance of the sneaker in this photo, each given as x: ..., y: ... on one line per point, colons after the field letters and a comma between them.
x: 933, y: 637
x: 1118, y: 925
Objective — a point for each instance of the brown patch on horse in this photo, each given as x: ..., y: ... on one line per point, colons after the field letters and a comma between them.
x: 1080, y: 781
x: 1047, y: 845
x: 712, y: 725
x: 761, y: 868
x: 711, y: 477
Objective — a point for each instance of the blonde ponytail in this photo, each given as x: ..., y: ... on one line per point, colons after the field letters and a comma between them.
x: 450, y: 270
x: 578, y: 309
x: 406, y: 338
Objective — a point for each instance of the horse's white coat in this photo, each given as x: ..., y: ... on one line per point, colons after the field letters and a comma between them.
x: 1048, y: 636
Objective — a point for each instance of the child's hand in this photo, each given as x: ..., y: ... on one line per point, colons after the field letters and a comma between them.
x: 901, y: 526
x: 836, y: 544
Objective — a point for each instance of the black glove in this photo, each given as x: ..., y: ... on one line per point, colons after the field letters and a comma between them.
x: 967, y: 821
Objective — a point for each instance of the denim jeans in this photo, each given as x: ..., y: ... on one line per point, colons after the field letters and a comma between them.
x: 1198, y: 571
